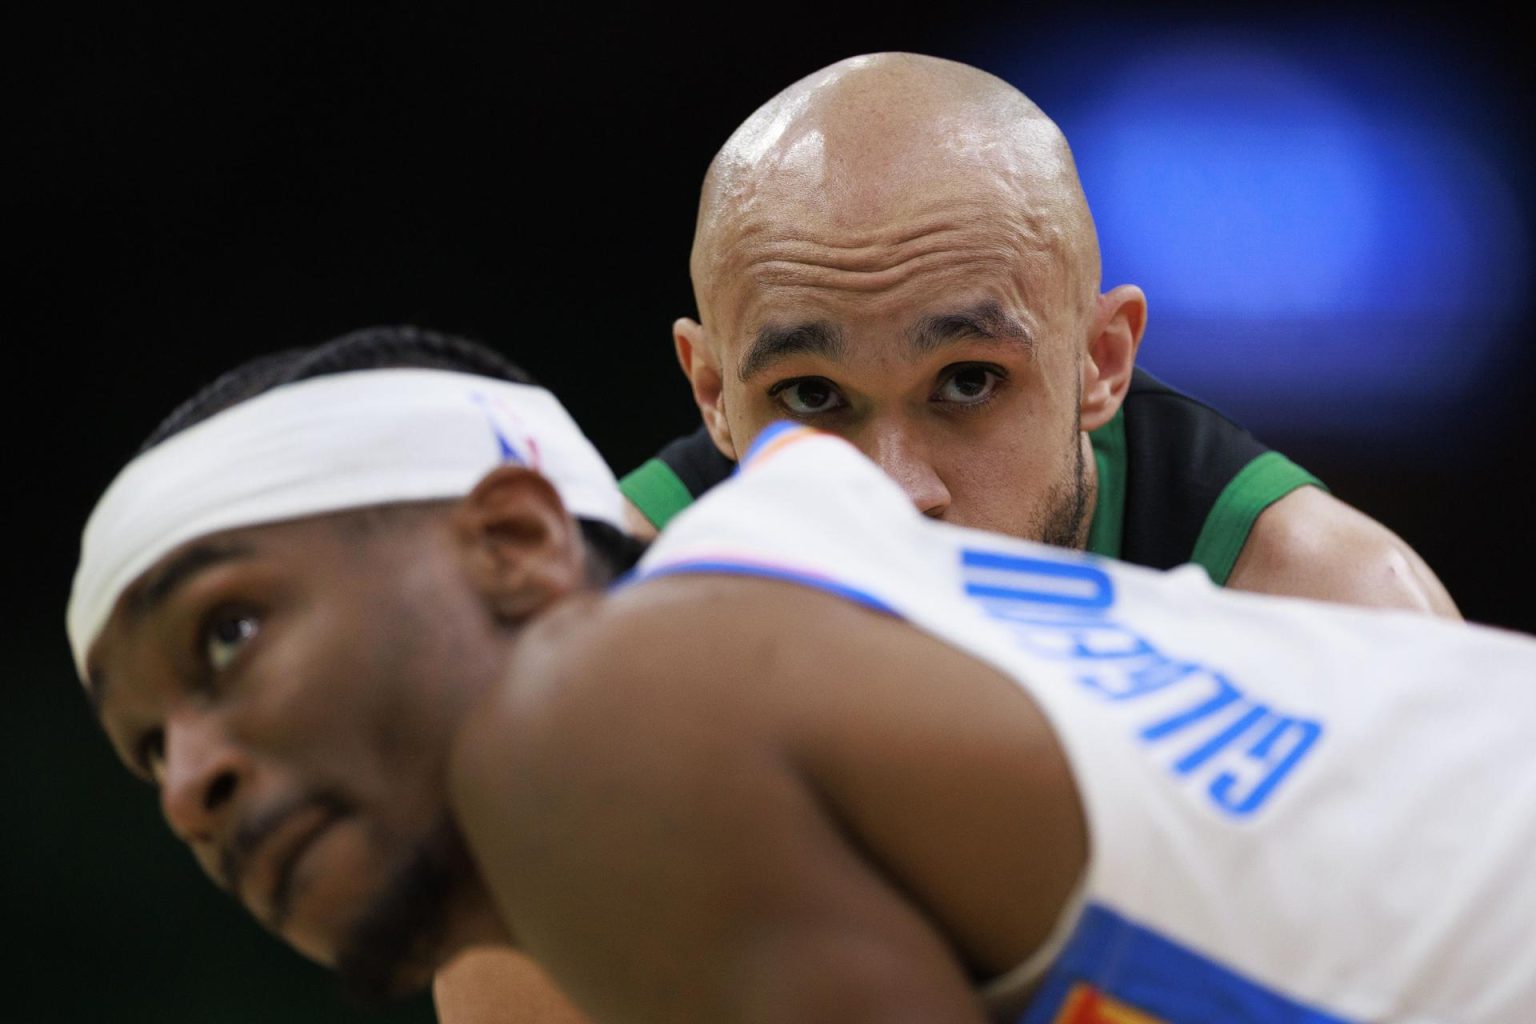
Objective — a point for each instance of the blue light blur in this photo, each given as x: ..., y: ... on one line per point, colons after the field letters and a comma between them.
x: 1330, y: 245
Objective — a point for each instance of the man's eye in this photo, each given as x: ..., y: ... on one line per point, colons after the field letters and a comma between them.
x: 969, y: 385
x: 225, y: 633
x: 808, y: 396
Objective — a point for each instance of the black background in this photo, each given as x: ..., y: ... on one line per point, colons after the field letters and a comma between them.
x: 189, y: 190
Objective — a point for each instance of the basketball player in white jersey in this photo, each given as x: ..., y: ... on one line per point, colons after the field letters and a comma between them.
x: 819, y: 759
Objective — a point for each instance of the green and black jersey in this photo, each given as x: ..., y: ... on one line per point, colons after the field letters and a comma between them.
x: 1178, y: 481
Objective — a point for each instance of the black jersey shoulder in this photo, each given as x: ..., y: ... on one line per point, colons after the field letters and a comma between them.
x: 697, y: 462
x: 680, y: 473
x: 1180, y: 454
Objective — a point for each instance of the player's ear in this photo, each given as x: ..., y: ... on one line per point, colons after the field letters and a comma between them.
x: 519, y: 545
x: 1114, y: 335
x: 702, y: 368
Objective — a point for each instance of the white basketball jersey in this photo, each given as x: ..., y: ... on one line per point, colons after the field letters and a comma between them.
x: 1297, y: 812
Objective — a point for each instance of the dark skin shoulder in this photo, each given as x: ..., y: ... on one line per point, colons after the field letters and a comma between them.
x: 723, y: 799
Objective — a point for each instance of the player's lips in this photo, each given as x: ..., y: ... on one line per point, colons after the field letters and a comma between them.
x: 261, y: 869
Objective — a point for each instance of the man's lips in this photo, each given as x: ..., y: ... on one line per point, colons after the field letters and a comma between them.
x: 259, y: 864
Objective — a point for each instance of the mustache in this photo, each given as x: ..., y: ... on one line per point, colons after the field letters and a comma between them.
x: 234, y: 857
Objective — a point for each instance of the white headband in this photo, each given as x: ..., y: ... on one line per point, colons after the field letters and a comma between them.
x: 341, y: 441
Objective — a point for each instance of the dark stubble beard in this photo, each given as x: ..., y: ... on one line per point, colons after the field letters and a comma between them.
x: 1066, y: 506
x: 392, y: 949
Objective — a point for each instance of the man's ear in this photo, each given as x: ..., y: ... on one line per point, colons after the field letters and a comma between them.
x: 521, y: 547
x: 702, y: 368
x: 1114, y: 336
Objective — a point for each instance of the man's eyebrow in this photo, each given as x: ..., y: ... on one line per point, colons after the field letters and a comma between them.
x: 984, y: 320
x: 774, y: 342
x: 153, y: 591
x: 150, y: 594
x: 144, y: 598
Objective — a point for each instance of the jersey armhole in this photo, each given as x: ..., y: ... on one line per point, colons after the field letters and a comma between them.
x: 1258, y: 485
x: 656, y: 491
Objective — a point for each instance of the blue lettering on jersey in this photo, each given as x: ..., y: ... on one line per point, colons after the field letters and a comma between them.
x: 1057, y: 610
x: 991, y: 574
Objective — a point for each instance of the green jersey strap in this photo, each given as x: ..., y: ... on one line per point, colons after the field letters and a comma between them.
x: 656, y: 491
x: 1179, y: 482
x: 1258, y: 485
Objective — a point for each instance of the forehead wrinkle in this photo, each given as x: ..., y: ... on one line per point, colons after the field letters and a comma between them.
x: 856, y: 247
x: 864, y: 259
x: 807, y: 223
x: 782, y: 273
x: 968, y: 233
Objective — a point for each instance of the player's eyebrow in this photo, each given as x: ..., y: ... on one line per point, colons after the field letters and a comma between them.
x: 157, y: 588
x: 775, y: 342
x: 987, y: 320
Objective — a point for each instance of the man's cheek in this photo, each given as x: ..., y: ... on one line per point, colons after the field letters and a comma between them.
x: 997, y: 493
x: 747, y: 414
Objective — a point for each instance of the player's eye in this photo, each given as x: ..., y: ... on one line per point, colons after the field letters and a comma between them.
x: 808, y: 396
x: 969, y: 384
x: 224, y: 634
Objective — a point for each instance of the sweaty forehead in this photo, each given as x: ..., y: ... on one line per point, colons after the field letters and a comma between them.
x: 884, y: 172
x: 933, y: 258
x: 871, y: 238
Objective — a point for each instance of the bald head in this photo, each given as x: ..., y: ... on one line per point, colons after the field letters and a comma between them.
x: 897, y: 249
x: 877, y: 146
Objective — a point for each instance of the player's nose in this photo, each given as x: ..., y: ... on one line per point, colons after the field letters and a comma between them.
x: 202, y: 776
x: 905, y: 460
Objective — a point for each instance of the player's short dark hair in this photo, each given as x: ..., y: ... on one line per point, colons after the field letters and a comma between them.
x: 378, y: 348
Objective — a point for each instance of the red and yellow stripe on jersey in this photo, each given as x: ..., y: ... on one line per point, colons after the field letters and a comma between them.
x: 1087, y: 1005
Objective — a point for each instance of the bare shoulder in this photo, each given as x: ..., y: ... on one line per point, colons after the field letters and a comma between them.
x: 756, y: 660
x: 1311, y: 544
x: 594, y: 672
x: 675, y: 796
x: 774, y: 660
x: 682, y: 644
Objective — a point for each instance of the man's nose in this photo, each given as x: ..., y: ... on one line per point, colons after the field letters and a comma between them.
x: 202, y: 775
x: 905, y: 460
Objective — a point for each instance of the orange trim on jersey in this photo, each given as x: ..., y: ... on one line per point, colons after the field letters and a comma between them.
x: 779, y: 443
x: 1087, y: 1005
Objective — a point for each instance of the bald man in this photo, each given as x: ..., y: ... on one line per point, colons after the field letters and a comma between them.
x: 897, y: 249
